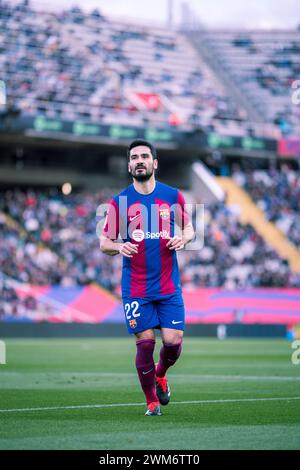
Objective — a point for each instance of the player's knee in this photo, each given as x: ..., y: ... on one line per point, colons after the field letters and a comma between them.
x: 173, y: 337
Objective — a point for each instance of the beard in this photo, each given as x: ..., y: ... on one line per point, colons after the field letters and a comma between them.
x: 141, y: 177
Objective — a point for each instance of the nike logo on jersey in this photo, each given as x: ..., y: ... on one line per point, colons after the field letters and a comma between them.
x: 145, y: 373
x: 133, y: 217
x: 176, y: 322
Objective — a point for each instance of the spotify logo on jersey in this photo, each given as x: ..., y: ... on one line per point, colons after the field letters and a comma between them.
x: 138, y: 235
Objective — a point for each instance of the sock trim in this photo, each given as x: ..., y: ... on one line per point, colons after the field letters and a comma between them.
x: 139, y: 341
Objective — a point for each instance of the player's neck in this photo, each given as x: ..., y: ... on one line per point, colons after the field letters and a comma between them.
x: 145, y: 187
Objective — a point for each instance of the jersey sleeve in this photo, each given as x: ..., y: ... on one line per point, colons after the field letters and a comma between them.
x: 111, y: 226
x: 182, y: 217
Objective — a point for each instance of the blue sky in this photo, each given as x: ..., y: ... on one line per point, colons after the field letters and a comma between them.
x: 213, y: 13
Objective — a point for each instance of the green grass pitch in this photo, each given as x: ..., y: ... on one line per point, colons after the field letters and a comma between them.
x: 231, y: 394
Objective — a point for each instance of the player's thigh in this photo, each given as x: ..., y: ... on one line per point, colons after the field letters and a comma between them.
x: 146, y: 334
x: 171, y: 314
x: 140, y: 315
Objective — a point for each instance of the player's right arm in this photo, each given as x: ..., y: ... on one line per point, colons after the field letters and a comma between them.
x: 110, y: 233
x: 112, y: 248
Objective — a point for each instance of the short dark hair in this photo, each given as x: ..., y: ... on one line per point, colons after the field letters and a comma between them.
x: 137, y: 142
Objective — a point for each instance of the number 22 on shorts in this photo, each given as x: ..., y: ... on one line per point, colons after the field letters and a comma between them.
x: 131, y: 309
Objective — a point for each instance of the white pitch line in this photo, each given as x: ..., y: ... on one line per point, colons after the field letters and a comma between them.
x: 117, y: 405
x: 233, y: 400
x: 238, y: 377
x: 175, y: 376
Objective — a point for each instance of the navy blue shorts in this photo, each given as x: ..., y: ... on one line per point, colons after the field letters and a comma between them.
x: 144, y: 313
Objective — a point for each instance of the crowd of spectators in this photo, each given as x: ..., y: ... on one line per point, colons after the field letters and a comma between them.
x: 265, y: 67
x: 54, y: 241
x: 74, y: 65
x: 233, y: 256
x: 82, y: 66
x: 15, y: 305
x: 277, y: 193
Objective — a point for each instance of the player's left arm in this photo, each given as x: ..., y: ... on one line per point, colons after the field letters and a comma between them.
x: 182, y: 219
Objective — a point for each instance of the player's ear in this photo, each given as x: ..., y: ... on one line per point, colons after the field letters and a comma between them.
x: 155, y: 163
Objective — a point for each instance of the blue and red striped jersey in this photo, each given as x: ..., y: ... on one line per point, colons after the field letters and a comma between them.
x: 148, y: 220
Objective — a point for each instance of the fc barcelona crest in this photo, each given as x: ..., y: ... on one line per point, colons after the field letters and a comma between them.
x: 164, y: 213
x: 132, y: 323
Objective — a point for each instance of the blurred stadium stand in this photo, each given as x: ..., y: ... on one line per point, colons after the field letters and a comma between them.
x: 76, y: 88
x: 89, y: 67
x: 261, y: 66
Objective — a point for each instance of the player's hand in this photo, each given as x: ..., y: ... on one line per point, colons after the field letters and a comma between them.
x: 176, y: 243
x: 128, y: 249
